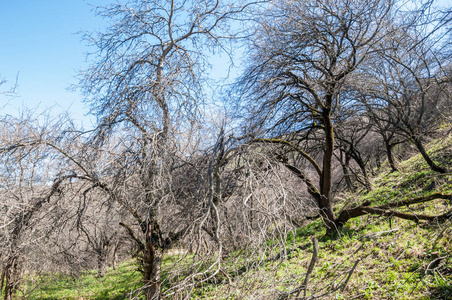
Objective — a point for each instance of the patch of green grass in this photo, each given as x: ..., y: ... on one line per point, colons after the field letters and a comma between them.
x: 413, y: 179
x: 116, y: 284
x: 441, y: 291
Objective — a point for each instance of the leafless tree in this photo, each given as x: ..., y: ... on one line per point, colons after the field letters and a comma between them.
x: 300, y: 59
x: 145, y: 86
x: 407, y: 81
x: 32, y: 176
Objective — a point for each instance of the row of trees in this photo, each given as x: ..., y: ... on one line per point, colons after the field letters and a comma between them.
x: 323, y: 76
x: 331, y: 88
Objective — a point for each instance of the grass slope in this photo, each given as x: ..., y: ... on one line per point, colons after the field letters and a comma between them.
x: 398, y: 259
x: 116, y: 284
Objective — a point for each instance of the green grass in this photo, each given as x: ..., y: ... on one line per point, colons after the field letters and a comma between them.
x: 414, y: 177
x: 398, y: 259
x: 116, y: 284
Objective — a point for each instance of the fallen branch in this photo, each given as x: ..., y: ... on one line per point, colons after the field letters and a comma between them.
x: 304, y: 286
x: 417, y: 200
x: 315, y: 246
x: 382, y: 210
x: 434, y: 263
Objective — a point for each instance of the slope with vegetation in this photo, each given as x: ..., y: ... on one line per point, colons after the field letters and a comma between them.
x: 327, y: 173
x: 371, y: 257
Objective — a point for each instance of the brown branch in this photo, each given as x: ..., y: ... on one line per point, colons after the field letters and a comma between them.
x: 417, y: 200
x: 315, y: 249
x: 381, y: 210
x: 298, y: 150
x: 132, y: 235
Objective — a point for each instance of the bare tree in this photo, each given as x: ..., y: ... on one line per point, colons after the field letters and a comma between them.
x: 29, y: 184
x: 300, y: 58
x: 407, y: 81
x: 146, y: 85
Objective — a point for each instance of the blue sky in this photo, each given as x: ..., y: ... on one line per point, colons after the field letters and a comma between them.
x: 39, y: 44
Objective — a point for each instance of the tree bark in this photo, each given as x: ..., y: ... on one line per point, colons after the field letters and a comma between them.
x: 11, y: 278
x: 326, y: 201
x: 152, y: 262
x: 390, y: 154
x: 427, y: 158
x: 152, y: 272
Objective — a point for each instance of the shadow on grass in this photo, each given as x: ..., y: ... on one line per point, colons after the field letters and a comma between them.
x: 443, y: 291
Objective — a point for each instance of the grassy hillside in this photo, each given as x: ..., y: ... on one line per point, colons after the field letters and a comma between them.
x: 115, y: 285
x: 397, y: 259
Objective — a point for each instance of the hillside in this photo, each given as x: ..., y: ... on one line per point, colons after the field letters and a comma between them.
x: 393, y: 258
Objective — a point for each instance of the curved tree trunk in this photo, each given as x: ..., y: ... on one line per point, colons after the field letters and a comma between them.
x: 427, y: 158
x: 390, y: 154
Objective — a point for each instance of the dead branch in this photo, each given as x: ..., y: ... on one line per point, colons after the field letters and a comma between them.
x: 382, y: 210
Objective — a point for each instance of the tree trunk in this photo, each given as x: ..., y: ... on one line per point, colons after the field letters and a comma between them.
x: 345, y: 170
x: 326, y: 198
x: 362, y: 166
x: 115, y: 254
x: 11, y: 280
x: 430, y: 162
x: 390, y: 154
x: 152, y: 272
x: 347, y: 177
x: 377, y: 162
x: 152, y: 261
x: 101, y: 265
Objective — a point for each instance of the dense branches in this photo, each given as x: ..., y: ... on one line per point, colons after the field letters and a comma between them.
x: 303, y: 54
x: 328, y: 90
x: 146, y: 85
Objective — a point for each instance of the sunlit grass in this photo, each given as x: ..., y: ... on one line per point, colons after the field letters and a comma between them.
x: 399, y: 259
x: 116, y: 284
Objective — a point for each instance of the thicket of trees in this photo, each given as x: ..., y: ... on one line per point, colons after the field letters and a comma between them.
x: 330, y: 90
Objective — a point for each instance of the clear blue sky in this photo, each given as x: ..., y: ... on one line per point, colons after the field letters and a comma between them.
x: 40, y: 44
